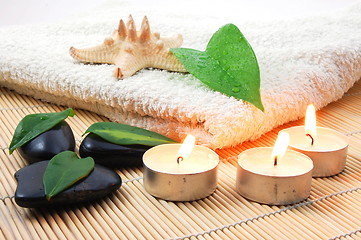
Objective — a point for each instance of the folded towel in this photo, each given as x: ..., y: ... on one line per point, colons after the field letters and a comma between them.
x: 302, y: 61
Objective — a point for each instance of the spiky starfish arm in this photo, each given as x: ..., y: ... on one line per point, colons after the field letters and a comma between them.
x: 98, y: 54
x: 127, y: 65
x: 131, y: 51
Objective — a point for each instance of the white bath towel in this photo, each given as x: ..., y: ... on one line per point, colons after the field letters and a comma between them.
x: 302, y: 61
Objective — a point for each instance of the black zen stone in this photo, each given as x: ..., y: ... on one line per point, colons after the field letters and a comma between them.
x: 110, y: 154
x: 30, y: 189
x: 48, y: 144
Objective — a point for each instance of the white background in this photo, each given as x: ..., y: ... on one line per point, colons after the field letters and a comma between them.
x: 40, y: 11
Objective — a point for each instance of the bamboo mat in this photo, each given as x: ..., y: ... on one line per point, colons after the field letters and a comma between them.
x: 332, y: 211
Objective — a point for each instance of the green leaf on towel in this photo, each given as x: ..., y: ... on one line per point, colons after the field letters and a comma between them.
x: 64, y: 170
x: 228, y: 65
x: 33, y: 125
x: 126, y: 135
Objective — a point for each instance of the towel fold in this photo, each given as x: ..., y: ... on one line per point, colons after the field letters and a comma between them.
x: 302, y: 61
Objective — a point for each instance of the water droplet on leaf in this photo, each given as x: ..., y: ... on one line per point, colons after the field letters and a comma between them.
x: 235, y: 89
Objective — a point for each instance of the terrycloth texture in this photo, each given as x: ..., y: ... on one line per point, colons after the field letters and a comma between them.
x: 302, y: 61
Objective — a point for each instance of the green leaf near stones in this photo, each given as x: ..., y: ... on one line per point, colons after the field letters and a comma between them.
x: 33, y: 125
x: 64, y: 170
x: 228, y: 65
x: 127, y: 135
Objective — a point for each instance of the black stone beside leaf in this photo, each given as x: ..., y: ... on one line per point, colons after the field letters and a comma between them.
x: 33, y: 125
x: 30, y: 190
x: 110, y: 154
x: 48, y: 144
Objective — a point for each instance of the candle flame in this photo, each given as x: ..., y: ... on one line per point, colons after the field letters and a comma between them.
x: 187, y: 146
x: 280, y: 146
x: 310, y: 121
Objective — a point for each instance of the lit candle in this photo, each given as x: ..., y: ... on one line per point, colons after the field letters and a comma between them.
x: 274, y: 176
x: 180, y: 172
x: 326, y: 147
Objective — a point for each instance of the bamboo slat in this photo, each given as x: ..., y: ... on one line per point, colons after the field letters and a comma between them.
x: 331, y: 212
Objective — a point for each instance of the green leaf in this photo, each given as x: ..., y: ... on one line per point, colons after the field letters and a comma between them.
x: 228, y: 65
x: 64, y: 170
x: 33, y: 125
x: 126, y: 135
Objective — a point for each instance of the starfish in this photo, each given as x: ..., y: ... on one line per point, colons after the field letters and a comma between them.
x: 131, y: 50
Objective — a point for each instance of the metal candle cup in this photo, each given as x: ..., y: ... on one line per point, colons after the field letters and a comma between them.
x: 193, y: 178
x: 259, y: 180
x: 328, y: 152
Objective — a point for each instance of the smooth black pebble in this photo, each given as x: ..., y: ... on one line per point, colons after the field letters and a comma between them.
x: 48, y: 144
x: 110, y: 154
x: 30, y: 190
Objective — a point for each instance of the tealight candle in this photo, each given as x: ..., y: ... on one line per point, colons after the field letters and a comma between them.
x: 180, y: 172
x: 274, y: 176
x: 326, y: 147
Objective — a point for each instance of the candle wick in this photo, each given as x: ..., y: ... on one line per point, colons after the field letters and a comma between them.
x: 275, y: 161
x: 312, y: 140
x: 179, y: 159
